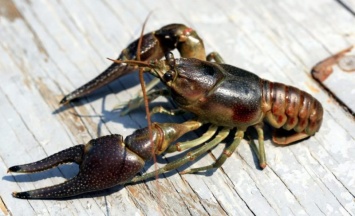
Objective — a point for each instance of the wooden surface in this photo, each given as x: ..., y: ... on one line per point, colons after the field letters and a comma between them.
x: 49, y: 48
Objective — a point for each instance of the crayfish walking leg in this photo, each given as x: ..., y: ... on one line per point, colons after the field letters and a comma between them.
x: 227, y: 152
x: 190, y: 156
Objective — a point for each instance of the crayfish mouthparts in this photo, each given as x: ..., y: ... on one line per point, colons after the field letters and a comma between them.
x: 104, y: 162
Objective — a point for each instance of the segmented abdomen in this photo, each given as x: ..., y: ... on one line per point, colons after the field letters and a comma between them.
x: 290, y: 108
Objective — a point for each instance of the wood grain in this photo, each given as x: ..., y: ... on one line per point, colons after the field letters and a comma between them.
x: 49, y: 48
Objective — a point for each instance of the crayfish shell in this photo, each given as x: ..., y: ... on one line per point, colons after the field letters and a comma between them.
x: 104, y: 163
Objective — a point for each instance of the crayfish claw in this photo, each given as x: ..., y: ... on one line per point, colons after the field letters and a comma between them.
x: 72, y: 154
x: 21, y: 195
x: 104, y: 163
x: 112, y: 73
x: 68, y: 188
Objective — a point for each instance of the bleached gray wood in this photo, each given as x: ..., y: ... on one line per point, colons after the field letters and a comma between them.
x: 48, y: 48
x: 342, y: 72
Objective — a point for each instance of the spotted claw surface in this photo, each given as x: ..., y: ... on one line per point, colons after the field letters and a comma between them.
x: 104, y: 162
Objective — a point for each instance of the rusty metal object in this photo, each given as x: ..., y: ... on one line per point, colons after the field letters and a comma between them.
x: 336, y: 75
x: 347, y: 63
x: 323, y: 69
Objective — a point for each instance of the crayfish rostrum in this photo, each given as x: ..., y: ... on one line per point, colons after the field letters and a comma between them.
x: 224, y: 96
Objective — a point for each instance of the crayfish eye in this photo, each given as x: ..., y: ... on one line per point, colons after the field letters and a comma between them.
x: 169, y: 75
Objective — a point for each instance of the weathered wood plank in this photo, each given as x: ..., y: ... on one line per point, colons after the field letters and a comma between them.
x: 49, y: 48
x: 349, y: 5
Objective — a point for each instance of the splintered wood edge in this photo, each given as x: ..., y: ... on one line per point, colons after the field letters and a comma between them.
x: 4, y: 208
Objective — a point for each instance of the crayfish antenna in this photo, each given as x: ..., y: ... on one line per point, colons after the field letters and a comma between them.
x: 146, y: 103
x: 131, y: 62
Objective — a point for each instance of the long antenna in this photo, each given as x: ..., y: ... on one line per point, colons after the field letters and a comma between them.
x: 146, y: 103
x: 130, y: 62
x: 141, y: 80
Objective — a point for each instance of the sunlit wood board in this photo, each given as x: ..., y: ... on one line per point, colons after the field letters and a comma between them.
x: 49, y: 48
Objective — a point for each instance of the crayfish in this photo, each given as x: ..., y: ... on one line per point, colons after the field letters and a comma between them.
x: 218, y: 94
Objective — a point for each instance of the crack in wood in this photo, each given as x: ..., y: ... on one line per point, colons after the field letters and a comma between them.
x: 346, y: 7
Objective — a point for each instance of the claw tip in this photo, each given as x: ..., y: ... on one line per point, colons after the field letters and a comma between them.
x: 21, y: 195
x: 64, y: 101
x: 14, y: 169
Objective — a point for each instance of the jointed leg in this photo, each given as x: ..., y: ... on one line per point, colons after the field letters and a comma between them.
x: 260, y: 152
x: 280, y: 138
x: 138, y: 101
x: 188, y: 157
x: 181, y: 146
x: 216, y: 57
x: 162, y: 110
x: 227, y: 152
x: 149, y: 86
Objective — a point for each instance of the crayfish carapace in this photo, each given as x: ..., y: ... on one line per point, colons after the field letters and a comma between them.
x: 221, y: 95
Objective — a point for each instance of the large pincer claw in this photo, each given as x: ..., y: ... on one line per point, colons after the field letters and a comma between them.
x: 104, y: 162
